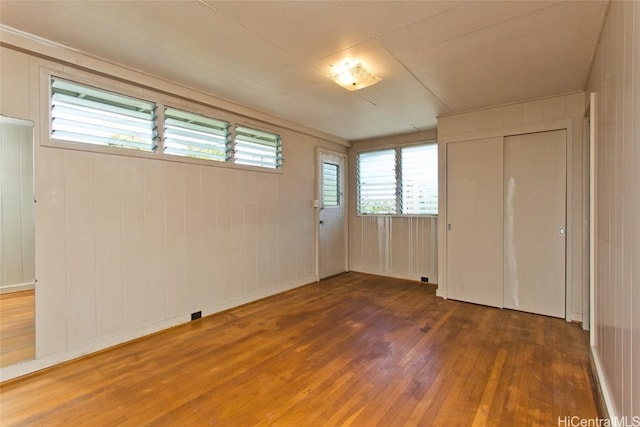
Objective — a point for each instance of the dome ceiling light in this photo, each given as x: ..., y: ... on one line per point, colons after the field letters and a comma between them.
x: 352, y: 76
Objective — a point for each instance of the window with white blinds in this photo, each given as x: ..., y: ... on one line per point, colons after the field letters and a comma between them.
x: 194, y: 135
x: 257, y: 148
x: 398, y: 181
x: 84, y: 114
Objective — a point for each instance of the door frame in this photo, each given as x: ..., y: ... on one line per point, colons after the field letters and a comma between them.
x: 317, y: 205
x: 560, y: 124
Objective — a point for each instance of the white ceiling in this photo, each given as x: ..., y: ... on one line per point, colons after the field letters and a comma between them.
x: 434, y: 57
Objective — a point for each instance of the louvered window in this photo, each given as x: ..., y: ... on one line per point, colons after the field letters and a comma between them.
x: 330, y: 184
x: 97, y: 118
x: 257, y: 148
x: 84, y: 114
x: 194, y: 135
x: 401, y: 180
x: 377, y: 184
x: 420, y: 179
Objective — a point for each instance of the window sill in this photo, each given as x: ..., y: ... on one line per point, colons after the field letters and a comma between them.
x: 151, y: 155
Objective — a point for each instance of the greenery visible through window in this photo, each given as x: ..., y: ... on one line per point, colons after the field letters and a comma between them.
x: 88, y: 115
x: 257, y: 148
x: 193, y: 135
x: 401, y: 180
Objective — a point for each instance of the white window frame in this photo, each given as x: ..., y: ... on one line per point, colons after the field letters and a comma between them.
x: 97, y: 125
x: 339, y: 195
x: 259, y: 129
x: 386, y: 191
x: 398, y: 163
x: 161, y: 100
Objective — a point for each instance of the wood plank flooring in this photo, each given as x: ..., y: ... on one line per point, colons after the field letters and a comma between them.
x: 354, y: 350
x: 17, y: 327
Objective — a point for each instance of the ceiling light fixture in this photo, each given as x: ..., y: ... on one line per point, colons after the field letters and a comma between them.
x: 352, y: 76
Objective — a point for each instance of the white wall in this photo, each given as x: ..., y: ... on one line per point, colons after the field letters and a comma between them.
x: 16, y: 206
x: 615, y: 79
x: 525, y: 117
x: 396, y: 246
x: 126, y: 246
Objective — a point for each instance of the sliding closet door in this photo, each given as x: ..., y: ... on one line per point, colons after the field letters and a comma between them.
x: 474, y: 221
x: 534, y: 222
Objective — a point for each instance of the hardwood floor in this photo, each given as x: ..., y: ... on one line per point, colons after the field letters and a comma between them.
x: 354, y: 350
x: 17, y: 327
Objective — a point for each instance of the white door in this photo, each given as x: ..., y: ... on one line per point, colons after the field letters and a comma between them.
x: 534, y: 222
x: 474, y: 221
x: 331, y: 227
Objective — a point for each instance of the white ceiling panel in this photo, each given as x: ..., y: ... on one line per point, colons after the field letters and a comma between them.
x: 484, y: 68
x: 306, y: 29
x: 464, y: 19
x: 380, y: 17
x: 434, y: 57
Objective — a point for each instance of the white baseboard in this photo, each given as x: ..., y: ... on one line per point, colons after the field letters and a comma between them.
x: 603, y: 386
x: 17, y: 288
x: 405, y: 276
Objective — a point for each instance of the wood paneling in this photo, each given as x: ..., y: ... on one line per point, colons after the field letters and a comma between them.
x: 79, y: 246
x: 51, y: 303
x: 394, y: 246
x: 352, y: 350
x: 14, y: 98
x: 108, y: 256
x: 616, y: 335
x: 150, y: 238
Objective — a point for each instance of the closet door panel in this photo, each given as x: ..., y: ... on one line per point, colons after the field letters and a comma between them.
x: 475, y: 221
x: 535, y: 222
